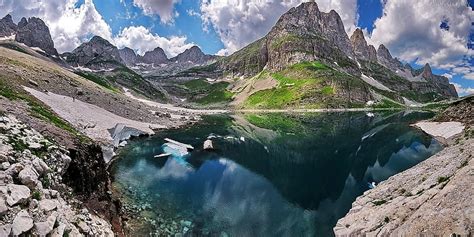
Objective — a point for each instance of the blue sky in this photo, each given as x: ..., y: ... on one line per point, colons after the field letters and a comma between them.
x: 115, y: 14
x: 418, y: 32
x: 185, y: 24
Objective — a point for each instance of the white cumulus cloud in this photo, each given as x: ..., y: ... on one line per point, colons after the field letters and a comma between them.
x: 163, y: 8
x: 240, y: 22
x: 69, y: 25
x: 412, y: 32
x: 141, y: 39
x: 462, y: 91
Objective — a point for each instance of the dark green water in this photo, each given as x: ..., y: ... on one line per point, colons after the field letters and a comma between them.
x: 290, y: 175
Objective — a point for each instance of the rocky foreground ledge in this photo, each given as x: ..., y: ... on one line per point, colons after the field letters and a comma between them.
x: 434, y: 198
x: 34, y: 200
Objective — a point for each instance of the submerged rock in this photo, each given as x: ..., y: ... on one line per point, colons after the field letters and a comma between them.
x: 208, y: 145
x: 5, y: 230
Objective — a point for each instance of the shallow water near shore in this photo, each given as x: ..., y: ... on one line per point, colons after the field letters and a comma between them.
x: 271, y: 175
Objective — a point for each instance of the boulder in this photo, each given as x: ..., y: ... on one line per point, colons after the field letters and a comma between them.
x: 5, y: 178
x: 5, y: 165
x: 44, y: 228
x: 40, y: 166
x: 5, y: 151
x: 34, y: 83
x: 58, y: 231
x: 5, y: 230
x: 48, y: 204
x: 17, y: 194
x: 34, y: 145
x: 3, y: 207
x: 208, y: 145
x: 83, y: 227
x: 22, y: 223
x: 14, y: 169
x: 28, y: 176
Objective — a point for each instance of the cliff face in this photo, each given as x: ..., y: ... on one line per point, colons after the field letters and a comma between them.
x: 34, y: 33
x: 7, y: 27
x: 385, y: 58
x: 306, y: 34
x: 360, y: 47
x: 128, y: 56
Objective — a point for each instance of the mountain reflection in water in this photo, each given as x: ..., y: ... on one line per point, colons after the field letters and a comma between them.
x: 292, y: 175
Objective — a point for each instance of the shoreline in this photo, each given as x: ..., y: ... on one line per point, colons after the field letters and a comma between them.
x: 408, y: 203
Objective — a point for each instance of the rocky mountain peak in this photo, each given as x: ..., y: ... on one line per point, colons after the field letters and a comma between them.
x: 98, y: 53
x: 23, y: 22
x: 128, y: 56
x: 7, y: 27
x: 97, y: 40
x: 383, y: 52
x: 7, y: 19
x: 305, y: 33
x: 427, y: 72
x: 34, y: 33
x: 360, y: 47
x: 385, y: 58
x: 156, y: 57
x: 192, y: 55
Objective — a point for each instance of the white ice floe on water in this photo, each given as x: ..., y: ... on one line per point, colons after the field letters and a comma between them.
x: 175, y: 150
x: 444, y: 130
x: 370, y: 115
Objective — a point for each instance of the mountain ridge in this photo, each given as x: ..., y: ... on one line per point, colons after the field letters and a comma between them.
x: 302, y: 35
x: 306, y: 34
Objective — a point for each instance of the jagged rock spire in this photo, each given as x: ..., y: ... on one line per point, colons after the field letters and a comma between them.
x: 35, y: 33
x: 427, y: 72
x: 7, y: 27
x: 360, y: 47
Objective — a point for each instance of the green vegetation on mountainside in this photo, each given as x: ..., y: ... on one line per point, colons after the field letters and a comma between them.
x: 205, y: 93
x: 308, y: 85
x: 123, y: 76
x: 98, y: 80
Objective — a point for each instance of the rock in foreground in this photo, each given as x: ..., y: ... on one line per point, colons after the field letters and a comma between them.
x: 34, y: 201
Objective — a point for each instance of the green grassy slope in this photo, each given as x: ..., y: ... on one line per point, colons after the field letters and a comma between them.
x: 310, y: 85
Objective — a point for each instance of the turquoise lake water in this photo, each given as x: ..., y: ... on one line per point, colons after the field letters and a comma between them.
x: 271, y: 175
